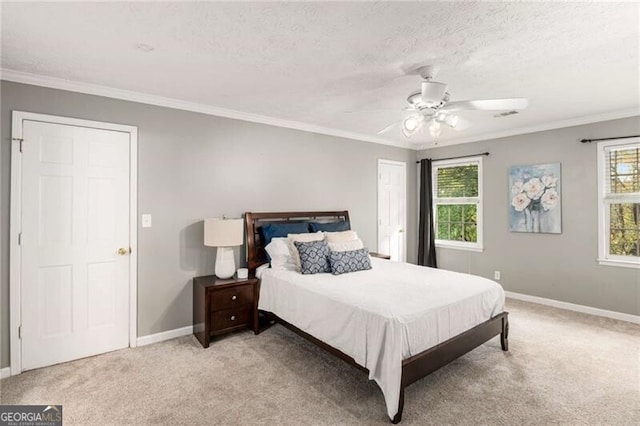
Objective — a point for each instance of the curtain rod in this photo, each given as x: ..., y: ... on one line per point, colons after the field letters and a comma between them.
x: 455, y: 158
x: 609, y: 139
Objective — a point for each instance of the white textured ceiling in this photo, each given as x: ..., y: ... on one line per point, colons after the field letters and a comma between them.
x: 327, y: 63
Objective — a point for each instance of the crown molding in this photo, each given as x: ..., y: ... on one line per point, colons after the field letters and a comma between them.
x: 579, y: 121
x: 144, y: 98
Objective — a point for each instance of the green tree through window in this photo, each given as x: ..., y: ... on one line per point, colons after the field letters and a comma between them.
x: 624, y: 218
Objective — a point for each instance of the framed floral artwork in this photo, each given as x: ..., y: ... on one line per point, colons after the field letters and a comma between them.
x: 535, y: 199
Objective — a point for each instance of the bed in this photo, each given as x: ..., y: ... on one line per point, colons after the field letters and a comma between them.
x: 397, y: 322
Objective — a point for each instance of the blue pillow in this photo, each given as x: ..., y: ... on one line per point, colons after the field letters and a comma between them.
x: 349, y: 261
x: 273, y: 230
x: 329, y: 227
x: 314, y: 257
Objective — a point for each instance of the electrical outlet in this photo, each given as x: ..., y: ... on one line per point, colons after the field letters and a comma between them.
x: 496, y: 275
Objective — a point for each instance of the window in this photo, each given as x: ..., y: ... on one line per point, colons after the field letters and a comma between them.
x: 619, y: 202
x: 457, y: 203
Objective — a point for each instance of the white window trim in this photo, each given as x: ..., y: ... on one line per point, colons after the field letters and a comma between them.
x: 604, y: 258
x: 461, y: 245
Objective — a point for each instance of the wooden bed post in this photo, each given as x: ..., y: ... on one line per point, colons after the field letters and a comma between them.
x: 398, y: 417
x: 504, y: 335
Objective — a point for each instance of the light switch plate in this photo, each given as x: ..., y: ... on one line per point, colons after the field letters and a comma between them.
x: 146, y: 220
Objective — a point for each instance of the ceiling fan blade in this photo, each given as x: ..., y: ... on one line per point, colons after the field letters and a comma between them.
x: 376, y: 110
x: 388, y: 128
x: 488, y: 104
x: 433, y: 92
x: 462, y: 124
x: 367, y: 111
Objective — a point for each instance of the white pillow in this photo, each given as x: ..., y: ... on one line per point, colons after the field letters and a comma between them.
x: 280, y: 254
x: 283, y: 263
x: 260, y: 269
x: 302, y: 238
x: 346, y: 245
x: 339, y: 237
x: 306, y: 238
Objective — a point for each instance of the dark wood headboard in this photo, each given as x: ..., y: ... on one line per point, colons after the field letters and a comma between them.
x: 256, y: 255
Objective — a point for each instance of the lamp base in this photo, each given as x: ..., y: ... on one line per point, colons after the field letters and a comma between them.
x: 225, y: 263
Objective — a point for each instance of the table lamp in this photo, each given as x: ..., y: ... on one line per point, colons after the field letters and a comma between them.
x: 223, y: 234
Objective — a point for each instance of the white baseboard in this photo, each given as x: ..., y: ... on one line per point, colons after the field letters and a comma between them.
x: 165, y: 335
x: 576, y: 308
x: 141, y: 341
x: 5, y: 372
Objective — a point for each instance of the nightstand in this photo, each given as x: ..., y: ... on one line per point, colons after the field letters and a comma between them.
x: 380, y: 255
x: 222, y: 306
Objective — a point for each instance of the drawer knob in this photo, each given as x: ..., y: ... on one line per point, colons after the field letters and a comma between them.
x: 233, y: 317
x: 234, y: 297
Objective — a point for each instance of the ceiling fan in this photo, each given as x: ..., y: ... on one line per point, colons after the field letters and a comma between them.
x: 430, y: 107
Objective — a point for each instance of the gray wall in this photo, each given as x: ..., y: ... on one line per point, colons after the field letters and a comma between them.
x: 193, y: 166
x: 561, y: 267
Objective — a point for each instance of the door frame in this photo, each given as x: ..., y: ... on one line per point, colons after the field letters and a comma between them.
x: 404, y: 218
x: 15, y: 225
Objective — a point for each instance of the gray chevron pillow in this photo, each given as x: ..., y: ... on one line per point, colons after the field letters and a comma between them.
x: 314, y: 256
x: 349, y: 261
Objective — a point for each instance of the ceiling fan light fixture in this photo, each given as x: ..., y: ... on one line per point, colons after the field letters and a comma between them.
x: 448, y: 119
x: 451, y: 121
x: 435, y: 129
x: 410, y: 124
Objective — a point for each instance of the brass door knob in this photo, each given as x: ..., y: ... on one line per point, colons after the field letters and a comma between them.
x: 122, y: 251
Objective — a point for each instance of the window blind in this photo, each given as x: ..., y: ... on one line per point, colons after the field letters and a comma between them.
x: 622, y: 173
x: 458, y: 181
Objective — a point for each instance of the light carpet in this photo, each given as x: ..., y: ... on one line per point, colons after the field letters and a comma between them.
x: 562, y: 368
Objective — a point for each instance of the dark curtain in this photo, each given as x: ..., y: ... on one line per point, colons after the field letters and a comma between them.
x: 426, y: 236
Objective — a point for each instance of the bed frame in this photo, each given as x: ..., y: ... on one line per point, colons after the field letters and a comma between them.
x: 414, y: 368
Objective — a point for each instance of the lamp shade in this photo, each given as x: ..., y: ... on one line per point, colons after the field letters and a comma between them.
x: 223, y: 232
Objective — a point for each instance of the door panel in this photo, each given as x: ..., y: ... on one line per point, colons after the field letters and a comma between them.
x: 75, y: 216
x: 56, y: 206
x: 101, y: 294
x: 392, y: 209
x: 55, y: 305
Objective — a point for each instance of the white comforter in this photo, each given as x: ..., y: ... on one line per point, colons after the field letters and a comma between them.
x: 384, y: 315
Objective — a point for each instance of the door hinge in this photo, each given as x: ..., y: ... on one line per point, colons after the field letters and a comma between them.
x: 20, y: 238
x: 19, y: 140
x: 20, y: 332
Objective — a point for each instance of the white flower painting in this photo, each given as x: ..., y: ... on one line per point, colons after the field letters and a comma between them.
x: 534, y: 193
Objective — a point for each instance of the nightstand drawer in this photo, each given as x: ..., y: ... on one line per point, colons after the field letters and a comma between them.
x: 228, y: 318
x: 231, y: 297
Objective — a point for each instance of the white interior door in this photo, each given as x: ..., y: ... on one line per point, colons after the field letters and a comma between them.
x: 75, y: 242
x: 392, y: 206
